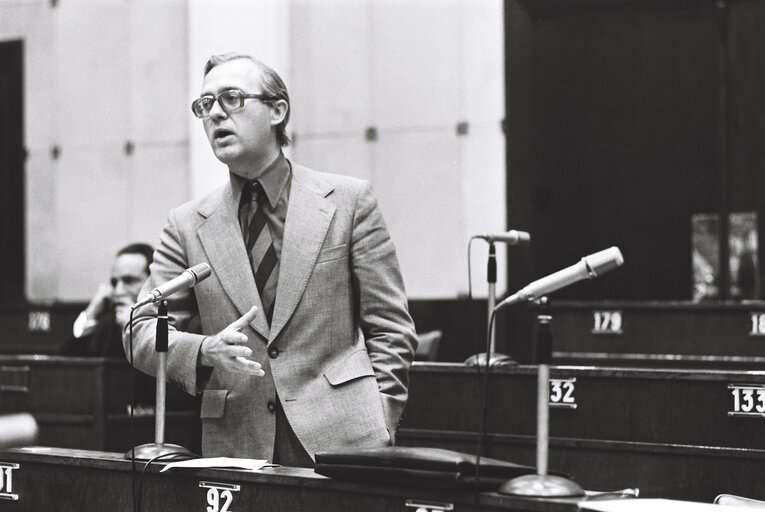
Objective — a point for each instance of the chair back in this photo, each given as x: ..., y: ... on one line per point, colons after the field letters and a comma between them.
x: 427, y: 348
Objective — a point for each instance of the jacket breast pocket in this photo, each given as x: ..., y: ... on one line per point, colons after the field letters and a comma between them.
x: 213, y: 403
x: 353, y: 367
x: 332, y: 253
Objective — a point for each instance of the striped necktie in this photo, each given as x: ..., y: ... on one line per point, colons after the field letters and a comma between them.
x: 259, y: 245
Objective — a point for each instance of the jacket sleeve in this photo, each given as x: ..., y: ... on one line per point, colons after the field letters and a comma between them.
x: 183, y: 347
x: 388, y: 328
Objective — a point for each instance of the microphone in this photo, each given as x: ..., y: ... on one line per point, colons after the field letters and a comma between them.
x: 188, y: 279
x: 512, y: 237
x: 589, y: 267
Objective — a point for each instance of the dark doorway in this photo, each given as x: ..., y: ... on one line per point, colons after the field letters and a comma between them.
x: 12, y: 156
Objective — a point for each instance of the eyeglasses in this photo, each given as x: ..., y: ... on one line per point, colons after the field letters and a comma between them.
x: 229, y: 101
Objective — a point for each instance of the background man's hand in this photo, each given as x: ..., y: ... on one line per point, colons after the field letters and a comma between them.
x: 99, y: 302
x: 122, y: 307
x: 227, y: 351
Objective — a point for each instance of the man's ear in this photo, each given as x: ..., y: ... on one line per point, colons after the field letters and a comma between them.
x: 279, y: 109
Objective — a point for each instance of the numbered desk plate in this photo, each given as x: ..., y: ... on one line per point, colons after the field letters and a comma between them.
x: 429, y: 506
x: 757, y: 324
x: 562, y: 393
x: 6, y: 481
x: 607, y: 322
x: 220, y: 496
x: 748, y: 400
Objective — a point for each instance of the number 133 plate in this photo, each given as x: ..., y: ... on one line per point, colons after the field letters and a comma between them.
x: 748, y: 400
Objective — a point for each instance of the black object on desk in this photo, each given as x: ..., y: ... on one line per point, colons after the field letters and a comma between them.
x: 418, y: 466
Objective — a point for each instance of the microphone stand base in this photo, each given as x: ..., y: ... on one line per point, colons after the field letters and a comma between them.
x: 541, y: 486
x: 494, y: 360
x: 149, y: 451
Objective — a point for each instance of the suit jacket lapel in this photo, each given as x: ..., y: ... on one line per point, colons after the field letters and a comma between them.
x: 308, y: 217
x: 223, y: 243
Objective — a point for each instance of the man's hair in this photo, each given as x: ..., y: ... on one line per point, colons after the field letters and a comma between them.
x: 144, y: 250
x: 272, y: 83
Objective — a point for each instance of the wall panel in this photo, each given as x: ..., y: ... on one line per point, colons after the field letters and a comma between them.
x: 331, y: 93
x: 406, y: 76
x: 614, y: 138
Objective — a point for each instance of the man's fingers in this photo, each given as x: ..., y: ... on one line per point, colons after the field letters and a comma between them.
x: 244, y: 320
x: 249, y: 362
x: 242, y: 351
x: 251, y: 367
x: 233, y: 337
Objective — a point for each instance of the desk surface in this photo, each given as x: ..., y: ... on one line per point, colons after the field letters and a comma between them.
x: 93, y: 480
x: 596, y: 371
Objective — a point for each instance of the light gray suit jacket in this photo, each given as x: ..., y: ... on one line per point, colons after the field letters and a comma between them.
x: 341, y: 331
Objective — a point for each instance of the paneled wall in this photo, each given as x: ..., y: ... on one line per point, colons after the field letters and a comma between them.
x: 626, y: 118
x: 408, y: 94
x: 106, y: 132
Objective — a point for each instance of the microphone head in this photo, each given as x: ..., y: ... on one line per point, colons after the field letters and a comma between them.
x: 201, y: 272
x: 512, y: 237
x: 519, y: 236
x: 604, y: 261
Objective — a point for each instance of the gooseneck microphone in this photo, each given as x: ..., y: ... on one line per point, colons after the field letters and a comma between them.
x: 589, y: 267
x: 188, y: 279
x: 512, y: 237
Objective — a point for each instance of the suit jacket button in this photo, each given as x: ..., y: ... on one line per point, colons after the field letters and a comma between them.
x: 273, y: 352
x: 271, y: 406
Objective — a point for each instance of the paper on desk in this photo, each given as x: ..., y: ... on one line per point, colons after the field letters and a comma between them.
x: 654, y: 505
x: 218, y: 462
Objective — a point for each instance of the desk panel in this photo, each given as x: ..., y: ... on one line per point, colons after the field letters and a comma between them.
x: 88, y: 480
x: 660, y: 334
x: 668, y: 432
x: 84, y: 402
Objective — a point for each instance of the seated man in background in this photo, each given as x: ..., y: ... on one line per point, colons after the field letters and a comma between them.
x: 97, y: 331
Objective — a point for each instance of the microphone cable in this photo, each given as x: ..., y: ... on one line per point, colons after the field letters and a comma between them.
x: 483, y: 390
x: 132, y: 409
x: 477, y: 351
x: 167, y: 455
x: 482, y: 434
x: 137, y: 492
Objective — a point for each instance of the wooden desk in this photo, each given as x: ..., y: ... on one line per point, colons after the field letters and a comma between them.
x: 36, y: 328
x: 660, y: 334
x: 102, y: 481
x: 671, y: 433
x: 83, y: 402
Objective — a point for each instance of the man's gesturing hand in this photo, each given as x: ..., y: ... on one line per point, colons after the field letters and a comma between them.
x: 226, y: 350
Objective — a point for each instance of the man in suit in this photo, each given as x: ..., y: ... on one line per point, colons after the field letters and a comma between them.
x: 97, y: 331
x: 305, y: 341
